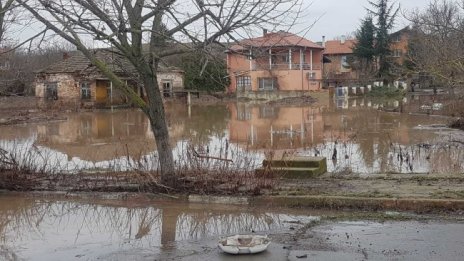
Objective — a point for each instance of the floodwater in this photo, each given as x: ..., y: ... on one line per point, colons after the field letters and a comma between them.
x: 354, y: 135
x: 35, y: 228
x: 43, y: 229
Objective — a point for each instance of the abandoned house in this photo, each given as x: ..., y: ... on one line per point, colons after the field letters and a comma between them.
x: 74, y: 81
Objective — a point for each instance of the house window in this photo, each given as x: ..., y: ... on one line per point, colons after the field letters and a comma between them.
x: 85, y: 91
x: 51, y: 91
x: 397, y: 38
x: 167, y: 88
x: 344, y: 62
x: 268, y: 112
x: 311, y: 75
x: 267, y: 84
x: 397, y: 53
x: 243, y: 83
x: 286, y: 58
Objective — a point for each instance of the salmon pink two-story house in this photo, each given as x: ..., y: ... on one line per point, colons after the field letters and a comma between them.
x: 274, y: 66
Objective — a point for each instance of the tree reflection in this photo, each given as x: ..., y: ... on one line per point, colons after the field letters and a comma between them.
x: 72, y: 224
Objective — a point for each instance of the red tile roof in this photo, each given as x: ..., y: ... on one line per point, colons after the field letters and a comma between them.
x: 336, y: 47
x: 277, y: 39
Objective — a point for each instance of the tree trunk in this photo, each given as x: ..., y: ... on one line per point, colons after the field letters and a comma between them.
x: 157, y: 117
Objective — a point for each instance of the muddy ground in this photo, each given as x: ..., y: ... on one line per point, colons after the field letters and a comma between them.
x: 19, y: 109
x: 359, y: 240
x: 380, y: 186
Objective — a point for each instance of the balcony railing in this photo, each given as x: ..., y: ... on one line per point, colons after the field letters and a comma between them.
x: 286, y: 66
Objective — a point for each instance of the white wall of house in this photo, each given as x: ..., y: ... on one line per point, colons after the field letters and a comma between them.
x: 177, y: 79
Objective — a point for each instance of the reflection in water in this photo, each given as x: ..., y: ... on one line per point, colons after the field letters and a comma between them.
x: 57, y: 230
x: 352, y: 134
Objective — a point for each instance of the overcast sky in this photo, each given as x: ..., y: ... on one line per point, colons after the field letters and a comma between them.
x: 339, y: 17
x: 336, y: 18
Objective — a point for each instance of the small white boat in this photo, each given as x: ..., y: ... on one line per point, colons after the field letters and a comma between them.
x: 244, y: 244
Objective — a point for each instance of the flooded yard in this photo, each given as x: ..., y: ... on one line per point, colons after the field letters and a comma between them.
x: 37, y: 228
x: 354, y: 135
x: 32, y: 228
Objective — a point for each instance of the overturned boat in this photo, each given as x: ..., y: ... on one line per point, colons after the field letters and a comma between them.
x: 244, y: 244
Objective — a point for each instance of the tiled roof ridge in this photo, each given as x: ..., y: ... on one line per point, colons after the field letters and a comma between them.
x: 277, y: 39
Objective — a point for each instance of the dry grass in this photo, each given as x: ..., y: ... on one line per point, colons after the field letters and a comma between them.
x: 223, y: 171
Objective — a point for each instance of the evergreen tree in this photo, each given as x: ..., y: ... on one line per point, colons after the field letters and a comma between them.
x: 385, y: 14
x: 364, y: 49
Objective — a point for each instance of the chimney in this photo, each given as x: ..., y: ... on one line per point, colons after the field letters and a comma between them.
x: 323, y: 41
x: 264, y: 31
x: 65, y: 56
x: 343, y: 39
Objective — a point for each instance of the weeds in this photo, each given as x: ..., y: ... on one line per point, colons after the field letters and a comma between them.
x: 223, y: 169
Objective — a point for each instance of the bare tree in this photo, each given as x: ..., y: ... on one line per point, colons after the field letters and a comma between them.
x: 128, y: 24
x: 437, y: 43
x: 7, y: 16
x: 18, y: 76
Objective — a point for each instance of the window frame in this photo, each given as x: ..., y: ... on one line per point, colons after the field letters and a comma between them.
x: 344, y: 62
x: 51, y: 91
x: 262, y: 83
x: 397, y: 53
x: 87, y: 90
x: 243, y: 82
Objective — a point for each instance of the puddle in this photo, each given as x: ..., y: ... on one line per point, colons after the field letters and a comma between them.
x: 40, y: 229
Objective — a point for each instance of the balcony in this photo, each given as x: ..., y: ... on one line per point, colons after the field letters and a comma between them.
x: 286, y: 66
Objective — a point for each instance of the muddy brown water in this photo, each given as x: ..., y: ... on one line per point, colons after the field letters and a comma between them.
x: 354, y: 135
x: 33, y: 227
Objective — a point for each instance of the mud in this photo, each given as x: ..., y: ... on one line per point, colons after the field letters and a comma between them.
x: 383, y: 186
x: 20, y: 110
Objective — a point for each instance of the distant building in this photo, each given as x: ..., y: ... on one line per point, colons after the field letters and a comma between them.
x: 75, y: 81
x: 276, y: 65
x: 399, y: 45
x: 339, y: 70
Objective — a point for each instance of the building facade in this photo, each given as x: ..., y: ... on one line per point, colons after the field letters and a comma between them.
x: 339, y: 71
x: 399, y: 45
x: 275, y: 65
x: 74, y: 81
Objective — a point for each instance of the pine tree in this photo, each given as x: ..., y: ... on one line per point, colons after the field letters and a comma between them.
x: 364, y: 49
x: 386, y: 15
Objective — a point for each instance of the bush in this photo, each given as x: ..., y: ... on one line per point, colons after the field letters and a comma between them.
x: 386, y: 92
